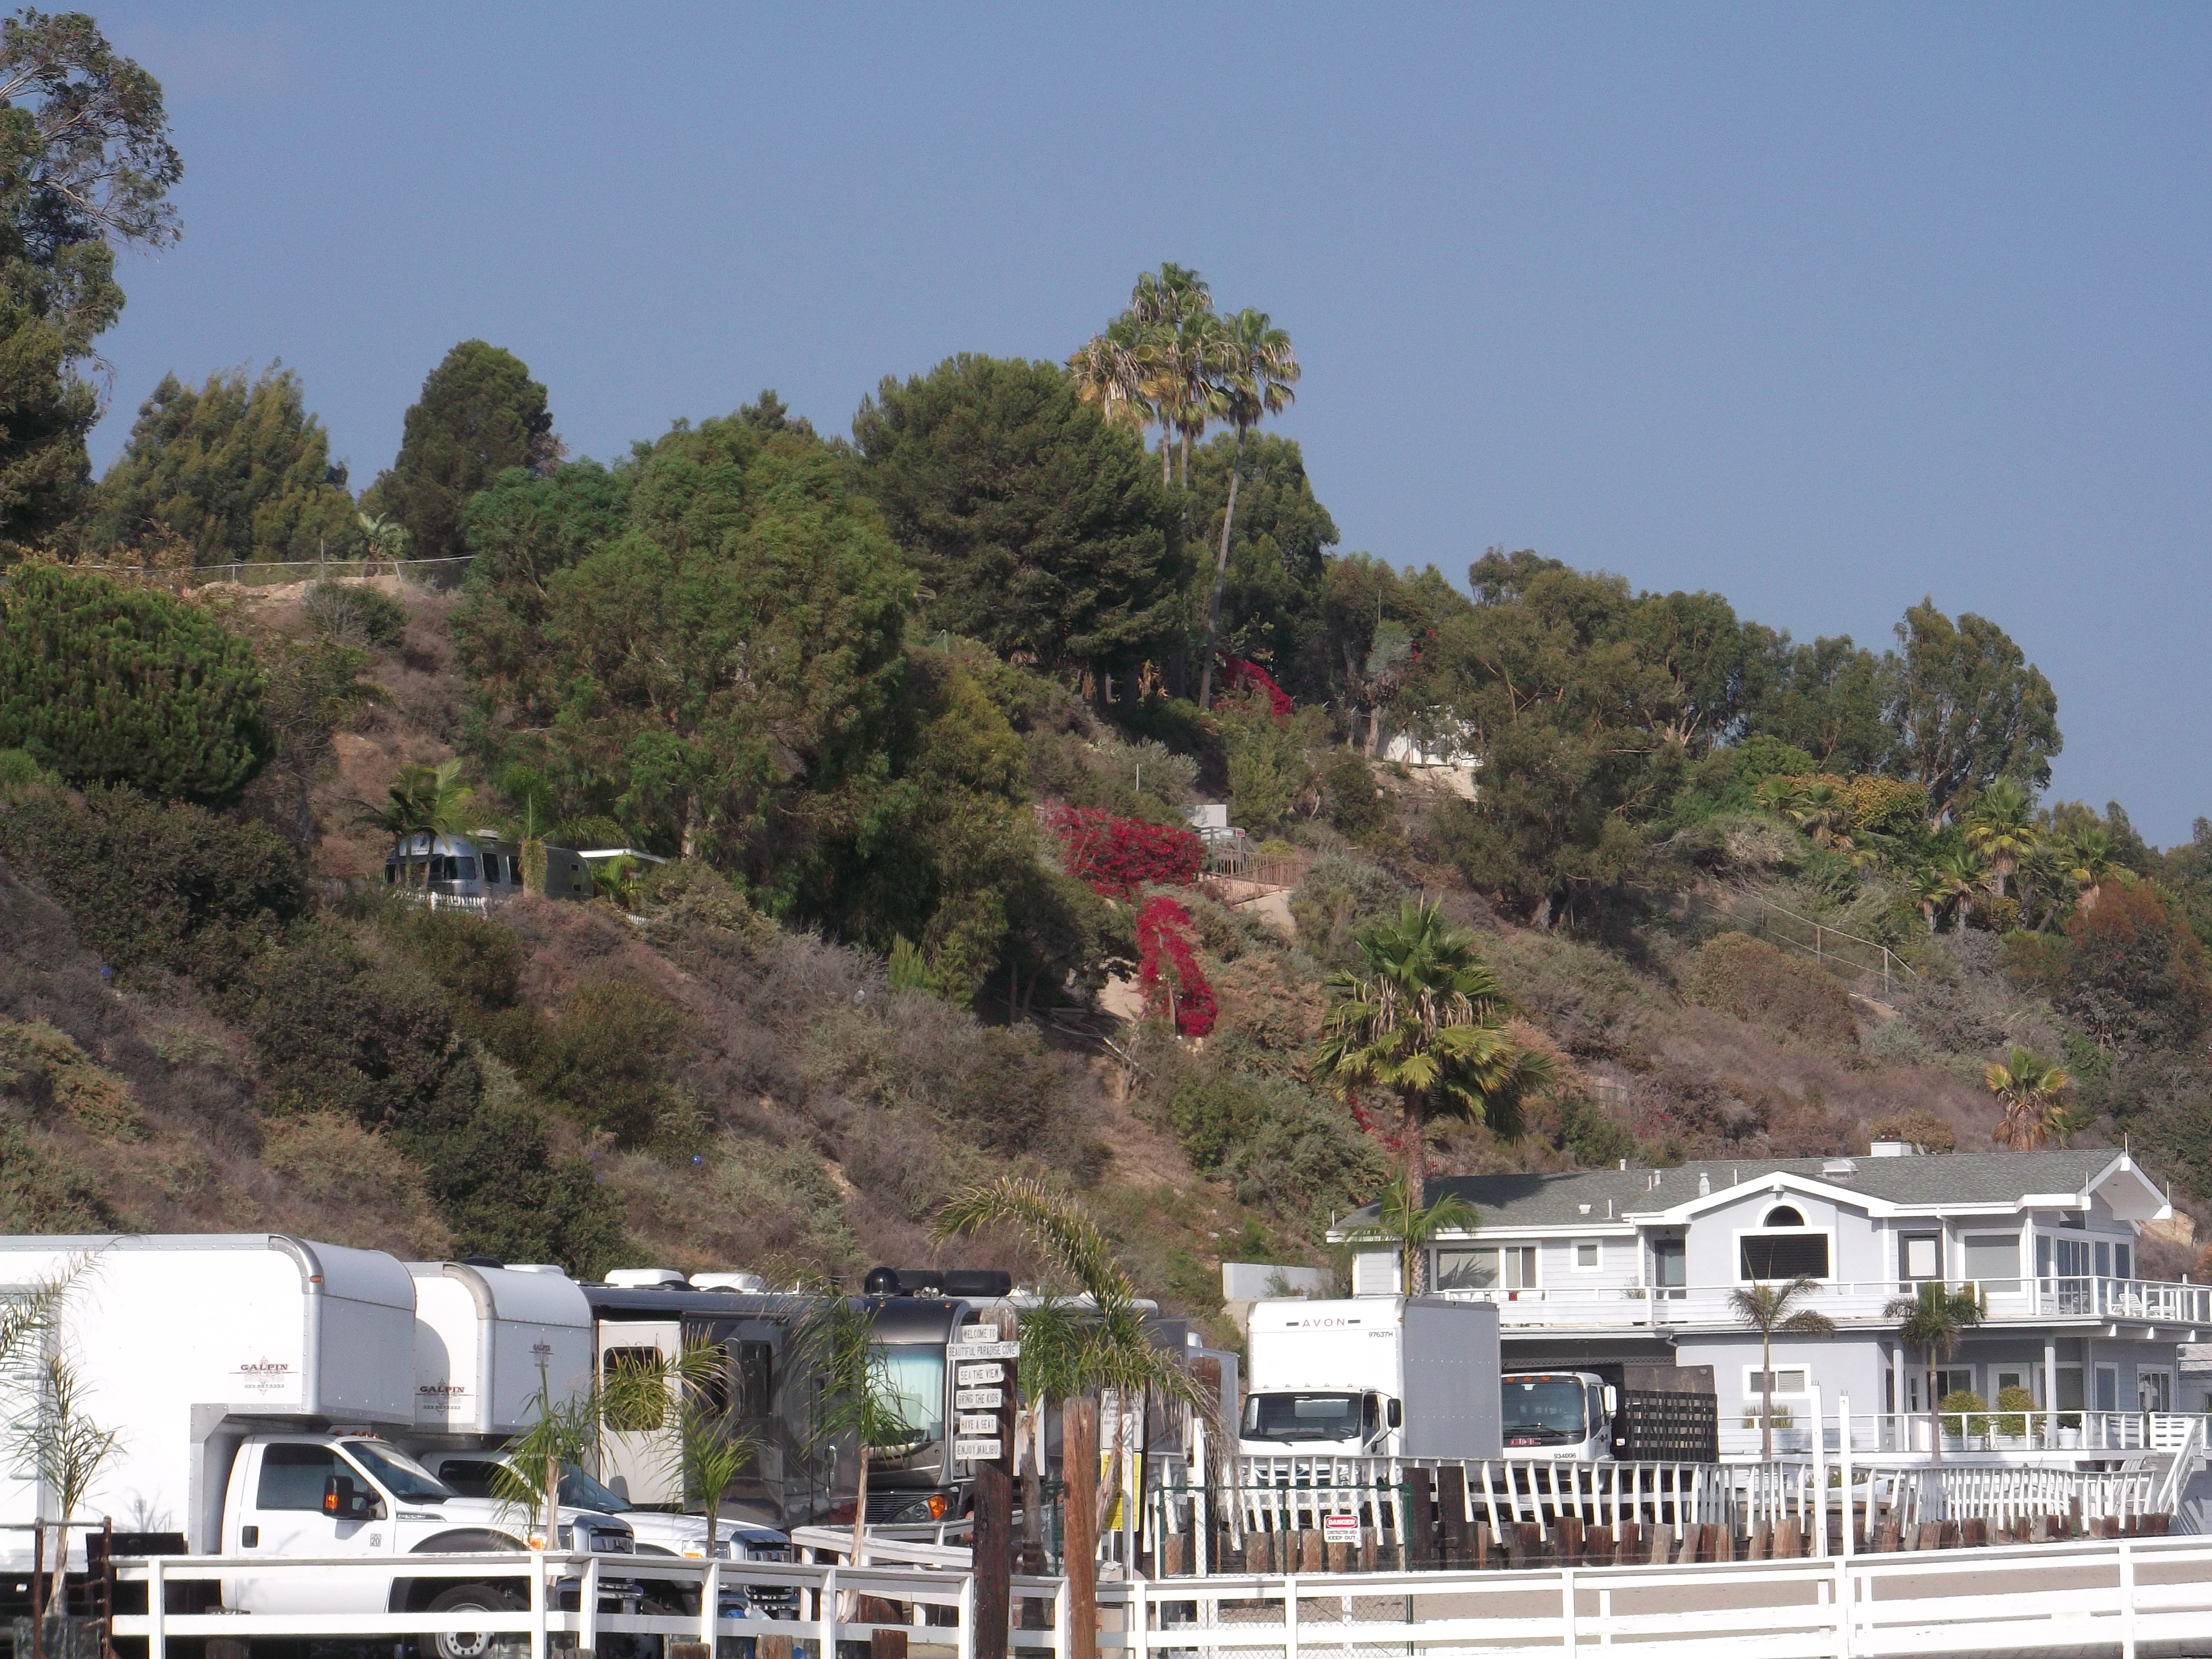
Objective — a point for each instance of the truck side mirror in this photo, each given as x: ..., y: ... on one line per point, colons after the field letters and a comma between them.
x: 344, y: 1501
x: 1612, y: 1400
x: 1393, y: 1414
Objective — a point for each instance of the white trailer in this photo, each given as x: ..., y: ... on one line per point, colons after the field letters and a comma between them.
x: 258, y: 1385
x: 1385, y: 1376
x: 487, y: 1340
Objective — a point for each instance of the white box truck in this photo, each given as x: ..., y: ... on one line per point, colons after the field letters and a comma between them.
x: 1373, y: 1376
x: 258, y: 1385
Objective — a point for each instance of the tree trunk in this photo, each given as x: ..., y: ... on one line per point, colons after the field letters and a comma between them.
x: 1220, y: 573
x: 1935, y: 1417
x: 1765, y: 1399
x: 1167, y: 455
x: 1078, y: 1473
x: 861, y: 1513
x: 1417, y: 1181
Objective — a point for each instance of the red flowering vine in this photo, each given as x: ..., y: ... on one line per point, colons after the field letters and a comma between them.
x: 1238, y: 675
x: 1164, y: 928
x: 1118, y: 856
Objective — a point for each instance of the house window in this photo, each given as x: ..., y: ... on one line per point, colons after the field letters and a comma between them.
x: 1670, y: 1263
x: 1992, y: 1258
x: 1958, y: 1379
x: 1784, y: 1255
x: 1920, y: 1256
x: 2123, y: 1261
x: 1488, y: 1268
x: 2153, y: 1391
x: 1783, y: 1215
x: 1788, y: 1380
x: 2104, y: 1260
x: 1586, y: 1256
x: 2108, y: 1387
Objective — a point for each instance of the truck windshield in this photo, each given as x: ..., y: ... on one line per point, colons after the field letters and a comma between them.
x: 1301, y: 1417
x: 579, y: 1492
x: 1543, y: 1411
x: 400, y: 1474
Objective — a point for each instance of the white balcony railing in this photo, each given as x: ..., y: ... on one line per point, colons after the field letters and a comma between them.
x: 2006, y: 1302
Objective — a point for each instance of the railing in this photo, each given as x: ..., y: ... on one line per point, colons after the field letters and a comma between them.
x: 258, y: 573
x: 2040, y: 1431
x: 1575, y: 1306
x: 826, y: 1601
x: 2125, y: 1596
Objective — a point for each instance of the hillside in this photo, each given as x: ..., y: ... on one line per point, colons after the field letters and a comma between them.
x: 697, y: 1086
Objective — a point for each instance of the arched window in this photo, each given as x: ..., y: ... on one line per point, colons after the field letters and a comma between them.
x: 1783, y: 1215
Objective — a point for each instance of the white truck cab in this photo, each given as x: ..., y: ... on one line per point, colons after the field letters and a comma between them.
x: 1371, y: 1375
x: 1566, y: 1416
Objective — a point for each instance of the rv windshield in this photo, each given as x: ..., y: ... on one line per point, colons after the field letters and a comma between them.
x: 402, y: 1476
x: 915, y: 1375
x: 1541, y: 1411
x: 1301, y: 1417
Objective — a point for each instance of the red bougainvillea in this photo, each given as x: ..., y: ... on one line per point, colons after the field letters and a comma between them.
x: 1164, y: 929
x: 1237, y: 675
x: 1119, y: 856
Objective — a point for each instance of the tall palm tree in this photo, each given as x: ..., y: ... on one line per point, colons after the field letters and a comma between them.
x: 1766, y: 1309
x: 1174, y: 310
x: 1252, y: 370
x: 1411, y: 1227
x: 1425, y: 1021
x: 2091, y: 862
x: 1113, y: 370
x: 2001, y: 829
x: 2033, y: 1091
x: 1932, y: 1320
x: 1958, y: 875
x: 1103, y: 1346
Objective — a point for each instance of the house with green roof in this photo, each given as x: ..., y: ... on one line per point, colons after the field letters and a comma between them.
x: 1636, y: 1265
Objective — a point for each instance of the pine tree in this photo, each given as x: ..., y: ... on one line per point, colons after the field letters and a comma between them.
x: 237, y: 471
x: 106, y: 683
x: 480, y: 414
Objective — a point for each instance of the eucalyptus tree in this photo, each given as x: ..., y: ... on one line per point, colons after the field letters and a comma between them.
x: 1252, y: 369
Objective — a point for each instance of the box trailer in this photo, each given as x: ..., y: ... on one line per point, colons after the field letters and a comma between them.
x: 1381, y: 1376
x: 487, y: 1341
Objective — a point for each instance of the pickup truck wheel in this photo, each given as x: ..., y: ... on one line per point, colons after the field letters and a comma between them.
x: 476, y: 1644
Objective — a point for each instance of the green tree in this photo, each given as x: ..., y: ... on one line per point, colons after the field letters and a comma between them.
x: 1425, y: 1023
x: 480, y: 413
x: 86, y: 165
x: 1274, y: 597
x: 1968, y: 709
x: 2032, y: 1091
x: 422, y: 800
x: 1828, y: 699
x: 110, y: 684
x: 1933, y: 1319
x: 236, y: 470
x: 1174, y: 308
x: 1251, y: 368
x: 1766, y: 1309
x: 1032, y: 520
x: 2137, y: 979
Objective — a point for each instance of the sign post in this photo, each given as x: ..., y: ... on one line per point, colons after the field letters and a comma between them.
x: 984, y: 1370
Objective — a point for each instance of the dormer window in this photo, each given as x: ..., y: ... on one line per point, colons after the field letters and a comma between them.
x: 1783, y: 1215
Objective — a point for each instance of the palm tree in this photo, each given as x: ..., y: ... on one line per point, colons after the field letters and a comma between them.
x: 1113, y: 369
x: 1427, y: 1022
x: 1766, y: 1309
x: 2033, y: 1091
x: 1821, y: 810
x: 1932, y: 1320
x: 1174, y: 310
x: 420, y: 801
x: 2091, y: 863
x: 2001, y: 830
x: 1411, y: 1227
x: 1252, y: 370
x: 1101, y: 1346
x: 858, y: 1399
x: 1957, y: 876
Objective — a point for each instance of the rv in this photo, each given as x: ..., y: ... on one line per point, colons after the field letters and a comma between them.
x: 481, y: 868
x: 261, y: 1388
x: 1379, y: 1376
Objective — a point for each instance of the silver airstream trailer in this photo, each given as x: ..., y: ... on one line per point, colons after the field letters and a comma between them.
x: 476, y: 870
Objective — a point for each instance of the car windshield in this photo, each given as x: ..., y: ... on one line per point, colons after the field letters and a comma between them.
x: 1301, y: 1417
x: 915, y: 1372
x: 579, y: 1492
x: 1546, y: 1409
x: 400, y: 1474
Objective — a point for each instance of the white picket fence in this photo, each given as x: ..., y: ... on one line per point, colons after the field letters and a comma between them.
x: 2139, y: 1597
x: 2136, y: 1597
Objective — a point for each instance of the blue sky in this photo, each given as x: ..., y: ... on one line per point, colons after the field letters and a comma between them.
x: 1822, y: 309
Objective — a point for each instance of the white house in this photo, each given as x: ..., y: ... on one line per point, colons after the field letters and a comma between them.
x: 1638, y: 1264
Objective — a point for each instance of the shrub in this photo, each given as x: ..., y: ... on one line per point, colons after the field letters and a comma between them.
x: 1918, y: 1128
x: 603, y: 1057
x: 41, y: 1064
x: 1734, y: 974
x: 2136, y: 977
x: 2014, y: 1403
x: 791, y: 1210
x: 1888, y: 806
x: 354, y: 613
x: 1761, y: 756
x: 1594, y: 1139
x: 146, y: 885
x: 43, y: 1190
x: 503, y: 1192
x: 1280, y: 1148
x: 1116, y: 855
x: 478, y: 960
x: 1334, y: 897
x: 109, y: 684
x: 1269, y: 777
x: 361, y: 1177
x: 1355, y: 806
x: 1957, y: 1406
x: 1167, y: 968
